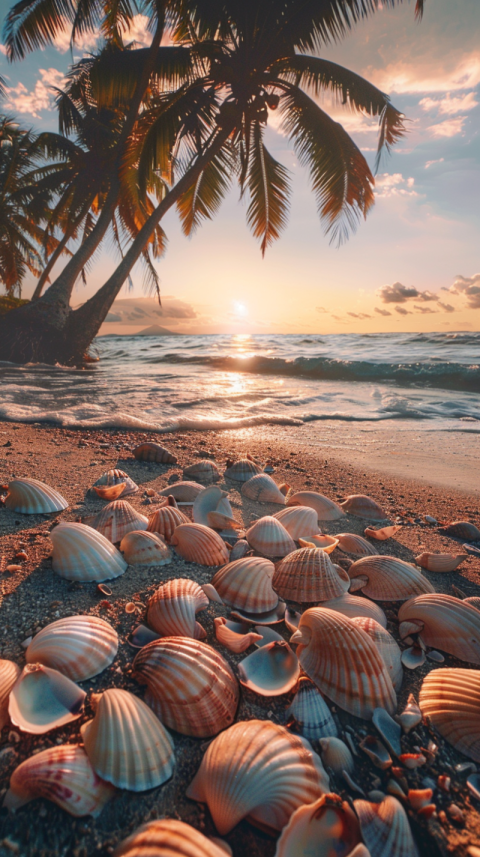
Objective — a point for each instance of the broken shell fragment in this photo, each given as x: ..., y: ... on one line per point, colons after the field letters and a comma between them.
x: 270, y: 671
x: 412, y: 760
x: 308, y: 575
x: 117, y: 519
x: 246, y: 584
x: 310, y: 712
x: 388, y: 730
x: 141, y: 636
x: 299, y: 521
x: 263, y: 489
x: 164, y: 521
x: 450, y: 700
x: 239, y: 550
x: 386, y: 645
x: 385, y: 828
x: 231, y: 639
x: 363, y: 506
x: 110, y: 492
x: 80, y: 553
x: 172, y: 609
x: 154, y: 452
x: 376, y: 752
x: 118, y: 477
x: 202, y: 471
x: 411, y: 716
x: 140, y: 547
x: 327, y: 510
x: 206, y: 502
x: 413, y: 657
x: 199, y: 544
x: 80, y: 647
x: 445, y: 623
x: 327, y: 827
x: 440, y: 562
x: 32, y: 497
x: 461, y: 530
x: 243, y: 470
x: 356, y: 545
x: 269, y: 537
x: 336, y: 755
x: 167, y: 837
x: 418, y: 798
x: 43, y: 699
x: 183, y: 492
x: 326, y: 543
x: 389, y: 578
x: 352, y: 606
x: 9, y: 673
x: 383, y: 533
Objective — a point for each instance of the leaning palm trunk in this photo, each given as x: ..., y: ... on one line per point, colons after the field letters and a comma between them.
x: 61, y: 246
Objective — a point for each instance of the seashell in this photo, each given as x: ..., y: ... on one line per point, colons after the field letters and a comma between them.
x: 202, y: 471
x: 199, y: 544
x: 9, y: 673
x: 110, y: 492
x: 260, y: 770
x: 218, y: 521
x: 267, y: 635
x: 363, y: 506
x: 376, y: 752
x: 327, y: 827
x: 352, y: 605
x: 118, y: 477
x: 31, y: 497
x: 327, y: 510
x: 413, y: 657
x: 63, y: 775
x: 386, y: 645
x: 450, y: 701
x: 308, y: 575
x: 299, y: 521
x: 388, y: 730
x: 418, y: 798
x: 141, y: 636
x: 385, y: 828
x: 461, y: 530
x: 292, y: 618
x: 205, y: 502
x: 117, y: 519
x: 474, y: 601
x: 231, y: 639
x: 336, y: 755
x: 140, y: 547
x: 389, y: 579
x: 80, y: 647
x: 412, y: 760
x: 243, y: 470
x: 167, y: 837
x: 311, y: 713
x: 183, y: 492
x: 326, y: 543
x: 270, y: 617
x: 271, y: 670
x: 81, y: 553
x: 164, y: 521
x: 445, y: 623
x: 191, y: 687
x: 326, y: 640
x: 351, y: 543
x: 154, y: 452
x: 126, y: 743
x: 269, y: 537
x: 239, y: 550
x: 43, y: 699
x: 411, y: 716
x: 382, y: 534
x: 263, y: 489
x: 172, y: 608
x: 246, y: 584
x: 440, y: 561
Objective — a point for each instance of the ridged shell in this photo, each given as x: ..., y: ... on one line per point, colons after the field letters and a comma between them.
x: 386, y: 645
x: 381, y: 534
x: 440, y: 562
x: 336, y: 755
x: 191, y: 687
x: 308, y: 575
x: 80, y: 553
x: 299, y: 521
x: 343, y: 662
x: 328, y: 827
x: 9, y: 673
x: 31, y: 497
x: 363, y: 506
x: 269, y: 537
x: 263, y: 489
x: 271, y: 670
x: 184, y: 492
x: 231, y: 639
x: 77, y: 646
x: 205, y: 502
x: 320, y: 540
x: 356, y: 545
x: 154, y: 452
x: 352, y: 605
x: 110, y: 492
x: 461, y: 530
x: 199, y: 544
x: 257, y: 769
x: 450, y: 699
x: 473, y: 600
x: 126, y: 743
x: 117, y: 477
x: 243, y: 470
x: 117, y: 519
x: 168, y: 837
x: 389, y: 579
x: 165, y: 520
x: 140, y: 547
x: 202, y: 471
x: 43, y: 699
x: 447, y: 624
x: 310, y: 712
x: 172, y: 608
x: 239, y: 550
x: 327, y: 510
x: 385, y: 828
x: 63, y: 775
x: 246, y: 584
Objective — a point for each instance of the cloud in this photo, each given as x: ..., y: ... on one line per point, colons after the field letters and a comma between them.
x: 321, y: 309
x: 446, y: 307
x: 450, y: 104
x: 408, y: 77
x: 340, y: 318
x: 138, y: 32
x: 468, y: 286
x: 394, y: 184
x: 21, y: 100
x: 431, y: 163
x: 399, y: 294
x: 3, y: 50
x: 113, y: 316
x: 424, y: 309
x: 359, y: 314
x: 449, y: 128
x: 402, y: 311
x: 382, y: 311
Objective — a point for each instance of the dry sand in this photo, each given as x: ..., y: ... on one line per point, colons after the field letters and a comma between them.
x: 32, y: 597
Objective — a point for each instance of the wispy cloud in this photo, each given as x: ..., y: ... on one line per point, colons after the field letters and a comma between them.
x: 449, y: 128
x: 402, y: 311
x: 450, y: 104
x: 400, y: 294
x: 446, y: 307
x: 384, y: 312
x: 394, y: 184
x: 321, y: 309
x: 359, y: 314
x: 406, y: 76
x: 431, y: 163
x: 32, y: 102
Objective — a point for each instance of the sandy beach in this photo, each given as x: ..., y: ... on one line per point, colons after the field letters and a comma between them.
x: 335, y: 460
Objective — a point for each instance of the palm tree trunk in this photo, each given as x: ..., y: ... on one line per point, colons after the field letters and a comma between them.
x: 59, y: 250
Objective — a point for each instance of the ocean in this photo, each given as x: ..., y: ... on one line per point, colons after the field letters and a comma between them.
x: 178, y: 383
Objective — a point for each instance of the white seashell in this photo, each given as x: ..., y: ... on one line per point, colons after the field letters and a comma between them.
x: 205, y: 502
x: 389, y: 578
x: 308, y: 575
x: 118, y: 477
x: 154, y: 452
x: 243, y: 470
x: 270, y: 671
x: 167, y: 837
x: 126, y: 743
x: 327, y: 827
x: 80, y: 553
x: 172, y: 608
x: 31, y: 497
x: 386, y: 645
x: 164, y: 521
x: 411, y: 716
x: 263, y: 489
x: 202, y: 471
x: 352, y: 605
x: 299, y: 521
x: 231, y: 639
x: 184, y: 492
x: 363, y: 506
x: 311, y: 713
x: 385, y: 828
x: 143, y: 548
x: 9, y: 673
x: 336, y: 755
x: 117, y: 519
x: 358, y: 546
x: 440, y: 562
x: 327, y: 510
x: 246, y: 584
x: 269, y: 537
x: 80, y: 647
x: 199, y: 544
x: 43, y: 699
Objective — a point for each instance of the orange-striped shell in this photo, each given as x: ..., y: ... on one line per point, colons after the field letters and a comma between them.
x: 353, y: 605
x: 445, y: 623
x: 263, y: 489
x: 389, y: 578
x: 191, y: 687
x: 154, y: 452
x: 440, y: 562
x: 243, y: 470
x: 184, y: 492
x: 328, y: 824
x: 356, y: 545
x: 246, y: 584
x: 202, y: 471
x: 164, y: 521
x: 269, y: 537
x: 385, y: 828
x: 167, y: 837
x: 327, y: 510
x: 118, y: 477
x: 308, y: 575
x: 199, y: 544
x: 386, y: 645
x: 81, y: 553
x: 363, y: 506
x: 80, y: 647
x: 450, y: 699
x: 117, y: 519
x: 140, y: 547
x: 299, y: 521
x: 9, y: 673
x: 32, y: 497
x: 172, y: 608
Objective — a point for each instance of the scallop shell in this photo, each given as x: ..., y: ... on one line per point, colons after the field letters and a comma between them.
x: 143, y: 548
x: 461, y: 530
x: 154, y: 452
x: 239, y: 550
x: 260, y: 770
x: 126, y: 743
x: 440, y: 562
x: 382, y: 534
x: 299, y: 521
x: 473, y: 600
x: 9, y: 673
x: 31, y: 497
x: 165, y: 520
x: 219, y: 521
x: 327, y: 510
x: 117, y: 519
x: 231, y: 639
x: 270, y: 671
x: 206, y: 502
x: 118, y: 477
x: 450, y: 700
x: 269, y: 537
x: 308, y: 575
x: 386, y: 645
x: 168, y: 837
x: 336, y: 755
x: 445, y: 623
x: 202, y: 471
x: 199, y: 544
x: 243, y: 470
x: 352, y: 605
x: 63, y: 775
x: 77, y: 646
x: 43, y: 699
x: 110, y: 492
x: 357, y: 682
x: 184, y: 492
x: 311, y: 713
x: 246, y: 584
x: 327, y: 827
x: 363, y: 506
x: 191, y: 687
x: 385, y: 828
x: 326, y: 543
x: 389, y: 579
x: 172, y: 608
x: 80, y: 553
x: 263, y: 489
x: 351, y: 543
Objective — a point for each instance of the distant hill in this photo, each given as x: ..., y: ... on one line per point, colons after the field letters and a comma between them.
x: 155, y: 330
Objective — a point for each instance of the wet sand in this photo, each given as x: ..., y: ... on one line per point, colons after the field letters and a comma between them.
x: 323, y: 458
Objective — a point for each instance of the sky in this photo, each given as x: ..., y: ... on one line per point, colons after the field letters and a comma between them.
x: 412, y: 266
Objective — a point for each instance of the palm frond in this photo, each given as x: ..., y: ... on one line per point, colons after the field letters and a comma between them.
x: 33, y: 24
x: 269, y: 188
x: 204, y: 196
x: 115, y: 73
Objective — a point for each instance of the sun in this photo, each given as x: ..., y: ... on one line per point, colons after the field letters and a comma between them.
x: 240, y: 309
